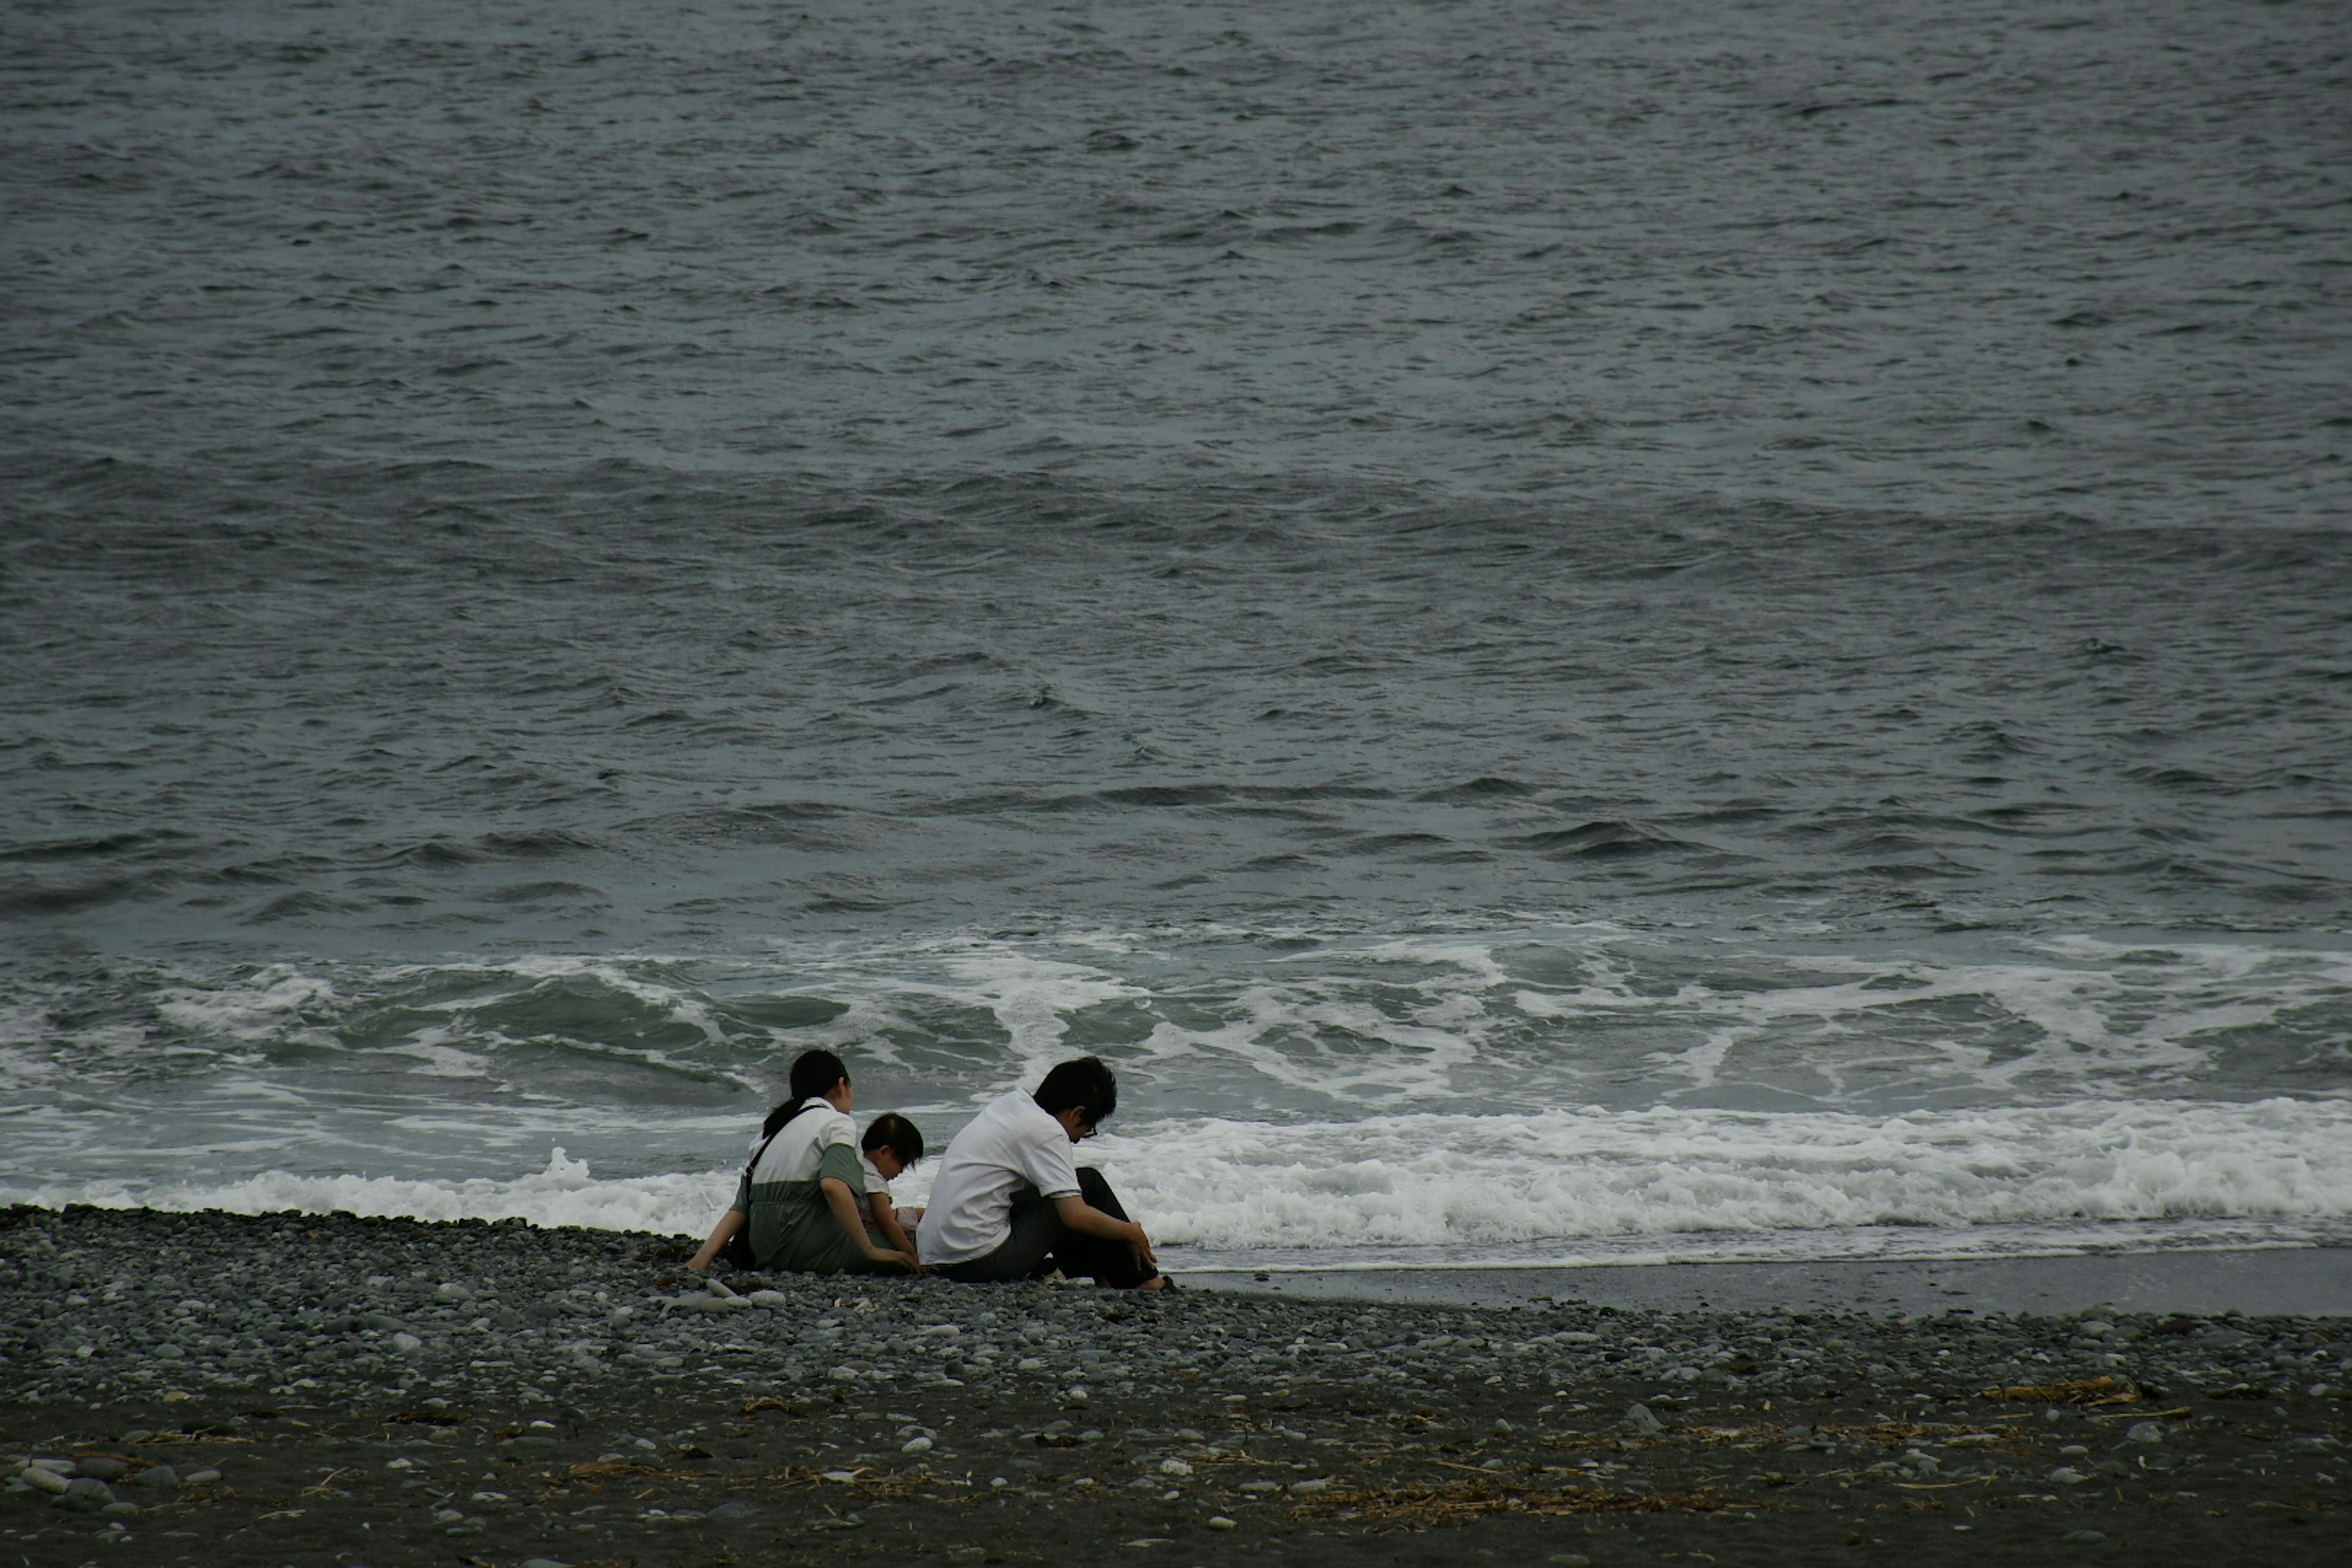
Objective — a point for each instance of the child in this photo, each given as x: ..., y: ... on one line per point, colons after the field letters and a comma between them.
x: 890, y: 1146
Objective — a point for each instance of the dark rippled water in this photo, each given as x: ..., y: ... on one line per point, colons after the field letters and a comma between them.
x: 1656, y: 566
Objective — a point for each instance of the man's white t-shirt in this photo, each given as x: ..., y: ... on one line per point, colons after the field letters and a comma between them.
x: 1008, y: 1144
x: 798, y: 1149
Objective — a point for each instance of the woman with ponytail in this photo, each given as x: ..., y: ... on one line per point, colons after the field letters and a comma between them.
x: 798, y: 1205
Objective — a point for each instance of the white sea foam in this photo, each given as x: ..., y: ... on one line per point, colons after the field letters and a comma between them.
x: 564, y: 1193
x: 1435, y: 1179
x: 1559, y: 1185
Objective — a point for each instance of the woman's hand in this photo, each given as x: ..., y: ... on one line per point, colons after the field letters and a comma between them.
x: 730, y: 1223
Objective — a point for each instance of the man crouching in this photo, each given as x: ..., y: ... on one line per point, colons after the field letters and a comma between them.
x: 1011, y: 1203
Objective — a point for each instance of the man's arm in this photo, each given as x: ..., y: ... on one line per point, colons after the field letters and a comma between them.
x: 1088, y: 1220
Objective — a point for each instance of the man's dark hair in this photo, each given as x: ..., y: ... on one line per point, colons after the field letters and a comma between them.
x: 893, y: 1131
x: 1084, y: 1084
x: 813, y: 1075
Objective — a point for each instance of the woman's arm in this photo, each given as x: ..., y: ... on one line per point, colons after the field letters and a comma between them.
x: 838, y: 1198
x: 886, y: 1218
x: 732, y: 1221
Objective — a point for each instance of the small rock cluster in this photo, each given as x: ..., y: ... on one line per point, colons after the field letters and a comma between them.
x: 113, y: 1304
x: 413, y: 1355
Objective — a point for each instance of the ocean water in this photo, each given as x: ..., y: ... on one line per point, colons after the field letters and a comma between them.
x: 1568, y: 633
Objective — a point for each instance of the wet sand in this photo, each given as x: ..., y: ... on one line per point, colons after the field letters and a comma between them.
x: 389, y: 1392
x: 2315, y: 1281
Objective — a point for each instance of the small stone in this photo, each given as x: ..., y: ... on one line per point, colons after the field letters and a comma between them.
x: 1219, y: 1522
x: 119, y: 1506
x: 1174, y: 1468
x: 1309, y: 1489
x: 44, y: 1480
x: 406, y: 1343
x: 2068, y: 1476
x: 734, y: 1507
x: 98, y: 1466
x: 544, y: 1562
x: 2144, y: 1431
x: 916, y: 1445
x: 1638, y: 1416
x: 84, y: 1494
x: 157, y: 1476
x: 168, y: 1351
x: 1569, y: 1559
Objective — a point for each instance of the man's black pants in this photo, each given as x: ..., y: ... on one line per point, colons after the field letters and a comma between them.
x: 1041, y: 1243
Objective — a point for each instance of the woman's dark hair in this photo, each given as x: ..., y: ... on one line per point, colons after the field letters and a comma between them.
x: 813, y: 1075
x: 893, y: 1131
x: 1082, y: 1084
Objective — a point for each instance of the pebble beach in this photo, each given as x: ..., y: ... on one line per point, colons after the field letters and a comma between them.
x: 303, y: 1389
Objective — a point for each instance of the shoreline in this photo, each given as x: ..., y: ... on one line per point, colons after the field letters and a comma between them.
x: 2306, y: 1281
x: 399, y: 1392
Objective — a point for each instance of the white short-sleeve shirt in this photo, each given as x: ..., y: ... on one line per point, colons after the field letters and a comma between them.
x: 798, y: 1149
x: 1010, y: 1144
x: 876, y: 1182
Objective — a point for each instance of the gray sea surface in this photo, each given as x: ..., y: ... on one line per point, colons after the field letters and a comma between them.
x: 1559, y: 628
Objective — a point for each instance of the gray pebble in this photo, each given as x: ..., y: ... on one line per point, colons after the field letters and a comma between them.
x: 84, y: 1494
x: 157, y: 1476
x: 102, y: 1468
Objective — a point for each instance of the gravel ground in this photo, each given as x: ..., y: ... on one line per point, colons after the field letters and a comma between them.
x: 326, y: 1390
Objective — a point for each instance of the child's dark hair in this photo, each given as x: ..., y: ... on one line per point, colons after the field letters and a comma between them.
x: 893, y: 1131
x: 813, y: 1075
x: 1082, y: 1083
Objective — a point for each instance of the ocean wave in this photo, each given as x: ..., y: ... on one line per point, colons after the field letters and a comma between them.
x: 1551, y: 1187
